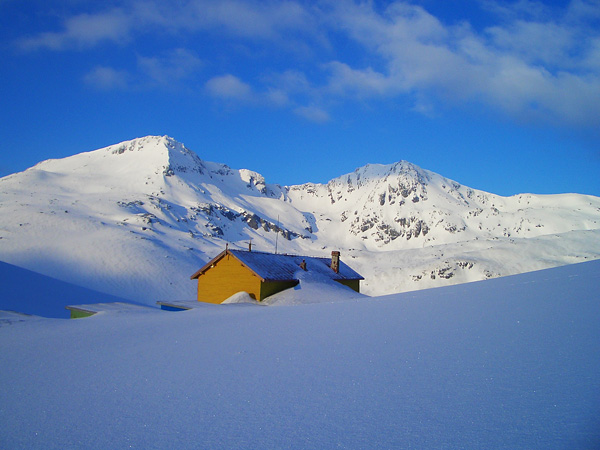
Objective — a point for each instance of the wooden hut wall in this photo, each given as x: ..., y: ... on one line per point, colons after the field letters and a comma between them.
x: 272, y: 287
x: 227, y: 277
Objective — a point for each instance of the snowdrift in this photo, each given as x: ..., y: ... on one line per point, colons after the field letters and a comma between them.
x: 29, y: 292
x: 505, y: 363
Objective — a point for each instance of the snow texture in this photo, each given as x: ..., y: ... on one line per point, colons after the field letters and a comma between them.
x: 507, y: 363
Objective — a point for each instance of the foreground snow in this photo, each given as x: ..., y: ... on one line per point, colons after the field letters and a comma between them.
x: 505, y: 363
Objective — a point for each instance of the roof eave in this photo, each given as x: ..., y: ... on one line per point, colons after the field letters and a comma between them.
x: 218, y: 258
x: 206, y: 266
x: 279, y: 280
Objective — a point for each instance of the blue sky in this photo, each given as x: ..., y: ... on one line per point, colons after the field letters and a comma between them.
x: 502, y: 96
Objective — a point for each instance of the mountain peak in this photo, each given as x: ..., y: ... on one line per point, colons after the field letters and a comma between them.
x: 146, y: 143
x: 157, y: 153
x: 163, y: 146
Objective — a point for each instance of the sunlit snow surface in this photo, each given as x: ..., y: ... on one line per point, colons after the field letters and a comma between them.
x: 136, y: 219
x: 507, y: 363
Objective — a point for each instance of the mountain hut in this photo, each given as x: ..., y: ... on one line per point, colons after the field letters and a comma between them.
x: 262, y: 274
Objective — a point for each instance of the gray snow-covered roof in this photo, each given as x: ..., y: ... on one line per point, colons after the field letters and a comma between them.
x: 282, y: 267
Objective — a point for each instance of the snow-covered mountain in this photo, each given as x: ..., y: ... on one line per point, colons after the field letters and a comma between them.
x: 402, y: 206
x: 136, y: 219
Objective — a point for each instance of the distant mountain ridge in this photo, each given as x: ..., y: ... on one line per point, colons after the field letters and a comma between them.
x: 402, y: 202
x: 136, y: 219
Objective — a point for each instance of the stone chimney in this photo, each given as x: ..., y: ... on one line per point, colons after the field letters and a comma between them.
x: 335, y: 261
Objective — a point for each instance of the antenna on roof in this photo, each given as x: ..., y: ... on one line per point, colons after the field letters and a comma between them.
x: 250, y: 245
x: 276, y: 233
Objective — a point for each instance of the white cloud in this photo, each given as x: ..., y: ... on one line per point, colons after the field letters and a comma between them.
x: 537, y: 61
x: 592, y: 58
x: 273, y: 20
x: 83, y: 30
x: 543, y: 69
x: 586, y: 11
x: 277, y: 97
x: 358, y: 83
x: 517, y: 9
x: 312, y: 113
x: 534, y: 65
x: 228, y: 87
x: 250, y: 19
x: 107, y: 78
x: 530, y: 41
x: 291, y: 80
x: 170, y: 67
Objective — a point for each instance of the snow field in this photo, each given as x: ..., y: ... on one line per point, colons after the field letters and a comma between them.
x: 504, y: 363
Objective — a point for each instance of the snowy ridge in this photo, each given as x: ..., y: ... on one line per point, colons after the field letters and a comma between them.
x: 405, y: 206
x: 136, y: 219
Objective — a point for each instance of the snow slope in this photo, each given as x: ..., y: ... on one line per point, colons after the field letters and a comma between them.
x: 31, y: 293
x: 504, y: 363
x: 136, y: 219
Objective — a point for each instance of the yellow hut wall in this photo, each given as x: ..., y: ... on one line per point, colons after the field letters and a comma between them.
x: 227, y: 277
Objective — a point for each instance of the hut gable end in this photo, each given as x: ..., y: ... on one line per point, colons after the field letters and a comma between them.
x: 224, y: 276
